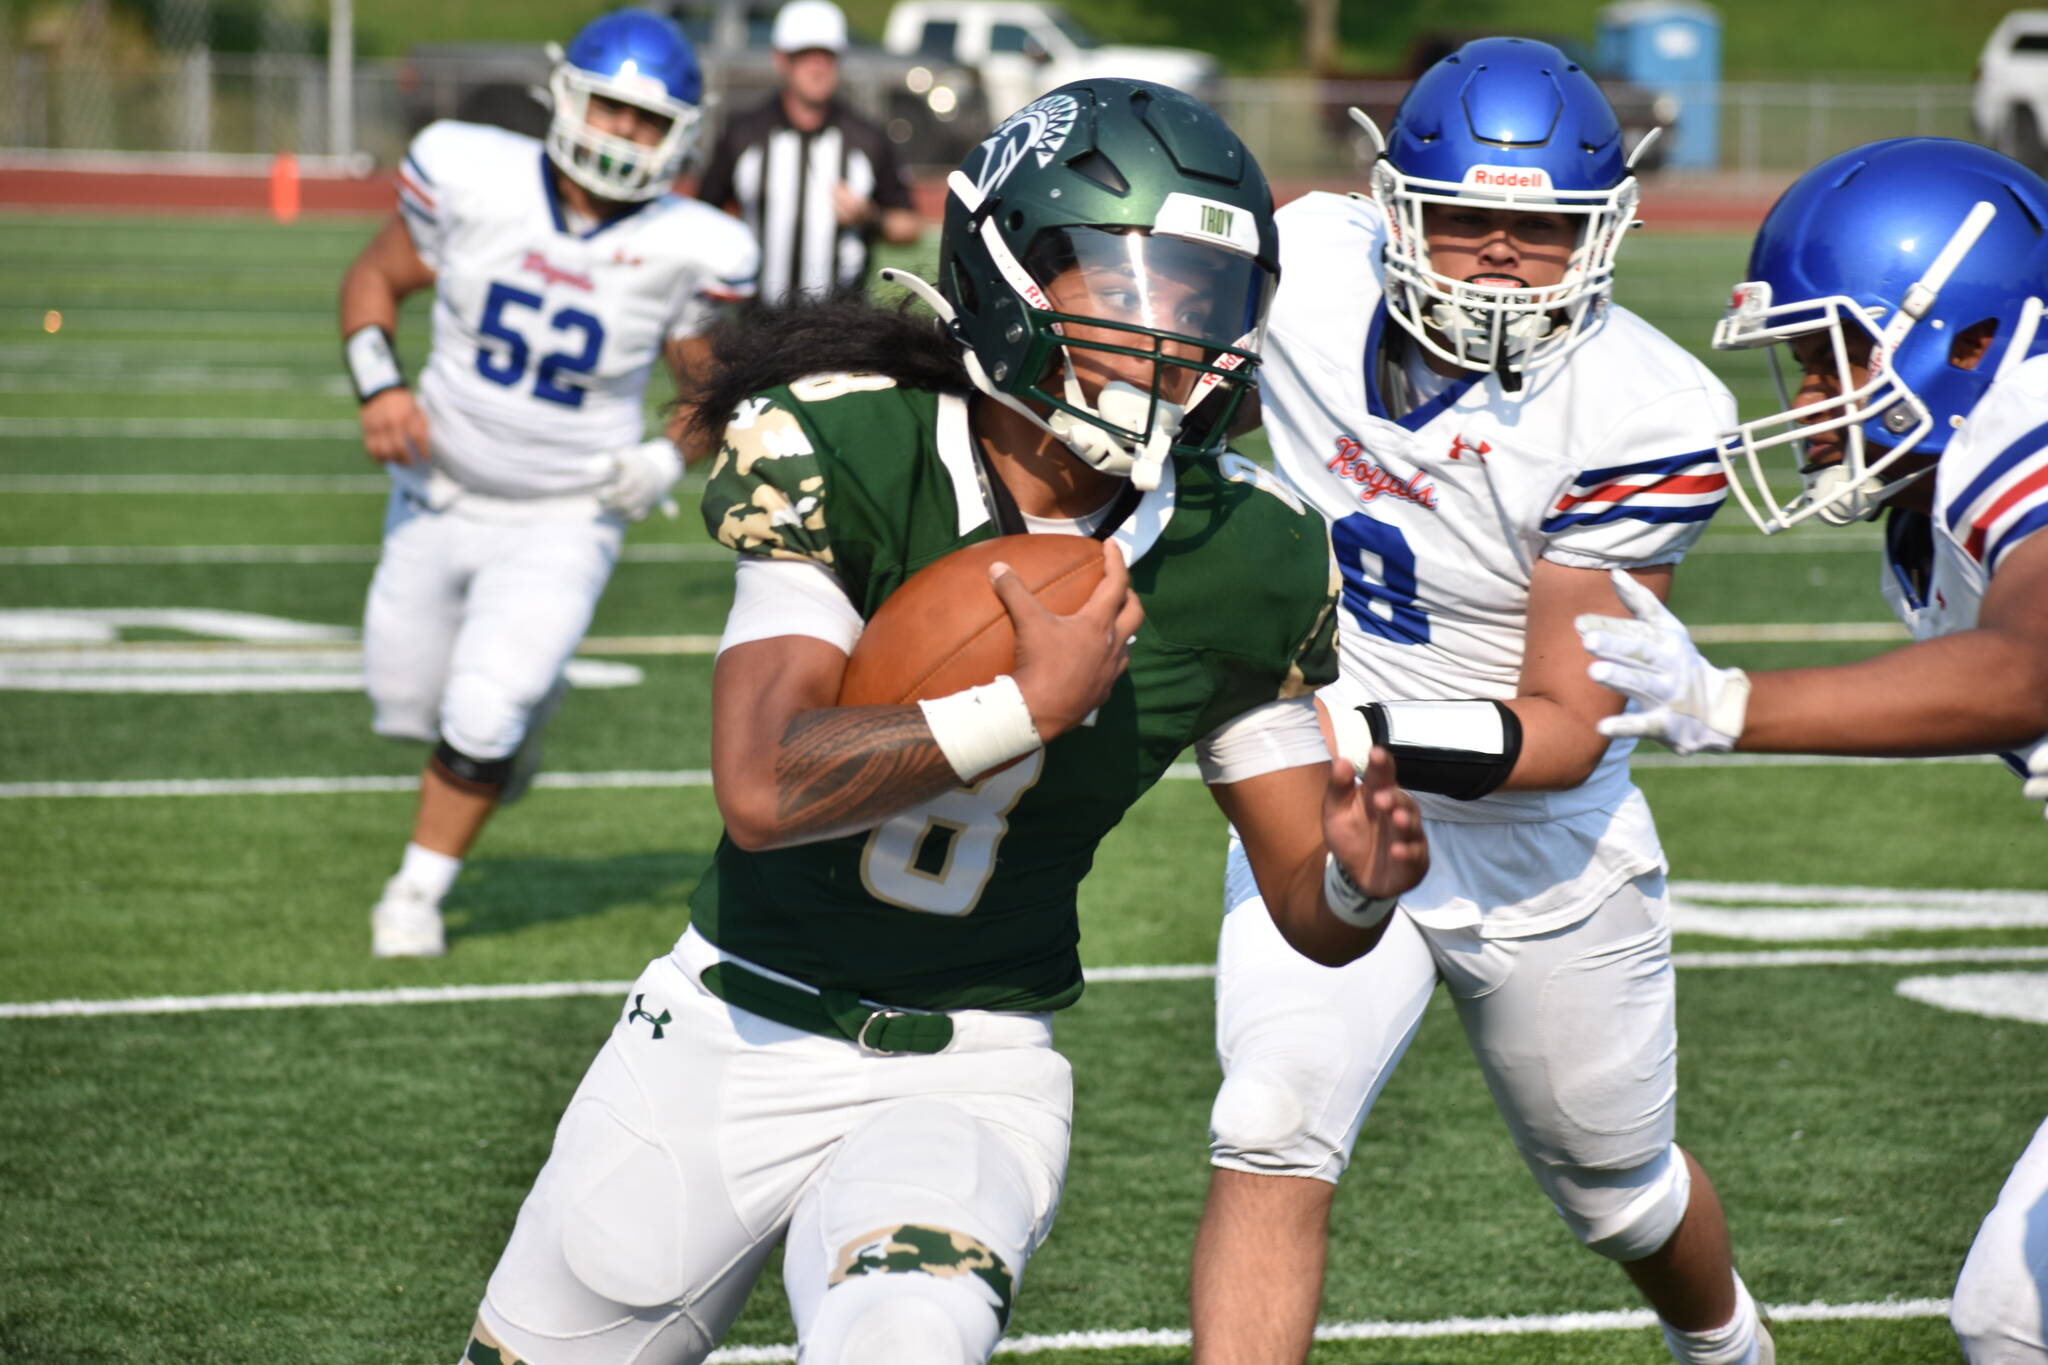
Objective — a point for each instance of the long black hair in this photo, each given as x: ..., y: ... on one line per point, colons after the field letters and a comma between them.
x: 773, y: 344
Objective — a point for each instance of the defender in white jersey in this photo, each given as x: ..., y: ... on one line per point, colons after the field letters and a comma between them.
x: 1905, y: 278
x: 561, y: 274
x: 1448, y: 381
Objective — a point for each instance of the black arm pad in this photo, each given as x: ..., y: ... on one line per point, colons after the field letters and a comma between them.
x: 1465, y: 774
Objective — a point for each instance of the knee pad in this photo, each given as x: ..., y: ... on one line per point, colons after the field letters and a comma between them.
x: 475, y: 776
x: 1625, y: 1214
x: 1996, y: 1309
x: 901, y: 1318
x: 1264, y: 1120
x: 483, y: 718
x: 1257, y: 1119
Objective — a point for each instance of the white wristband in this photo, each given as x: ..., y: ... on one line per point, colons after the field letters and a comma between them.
x: 1347, y: 902
x: 982, y: 727
x: 1729, y: 710
x: 372, y: 364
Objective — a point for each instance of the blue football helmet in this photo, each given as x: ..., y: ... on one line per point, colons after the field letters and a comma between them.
x: 640, y: 59
x: 1908, y: 244
x: 1506, y: 123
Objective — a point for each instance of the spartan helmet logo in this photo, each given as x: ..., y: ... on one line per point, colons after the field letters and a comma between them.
x: 1039, y: 128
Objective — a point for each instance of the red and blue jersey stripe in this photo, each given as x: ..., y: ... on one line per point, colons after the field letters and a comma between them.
x: 2005, y: 503
x: 415, y: 191
x: 1689, y: 487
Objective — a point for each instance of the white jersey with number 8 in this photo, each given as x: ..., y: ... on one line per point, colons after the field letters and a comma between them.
x: 1443, y: 494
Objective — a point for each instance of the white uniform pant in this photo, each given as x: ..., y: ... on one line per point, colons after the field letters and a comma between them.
x: 1998, y: 1310
x: 909, y: 1190
x: 1574, y: 1030
x: 470, y: 622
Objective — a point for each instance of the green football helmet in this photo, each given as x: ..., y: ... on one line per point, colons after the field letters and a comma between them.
x: 1107, y: 261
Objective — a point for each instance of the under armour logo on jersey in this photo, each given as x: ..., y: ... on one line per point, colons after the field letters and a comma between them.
x: 620, y: 257
x: 1460, y: 448
x: 1351, y: 462
x: 639, y: 1013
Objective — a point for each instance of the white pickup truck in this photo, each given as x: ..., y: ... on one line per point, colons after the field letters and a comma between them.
x: 1023, y: 48
x: 2009, y: 103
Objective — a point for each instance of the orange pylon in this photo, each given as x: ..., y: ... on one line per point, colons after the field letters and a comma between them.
x: 284, y: 187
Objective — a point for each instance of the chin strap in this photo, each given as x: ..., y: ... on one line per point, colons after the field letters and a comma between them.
x: 1871, y: 494
x: 1119, y: 403
x: 1123, y: 405
x: 1513, y: 338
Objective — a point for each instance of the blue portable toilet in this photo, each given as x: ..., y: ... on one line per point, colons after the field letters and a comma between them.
x: 1674, y: 48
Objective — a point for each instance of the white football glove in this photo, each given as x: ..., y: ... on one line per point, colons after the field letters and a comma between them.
x: 2036, y: 788
x: 641, y: 478
x: 1681, y: 699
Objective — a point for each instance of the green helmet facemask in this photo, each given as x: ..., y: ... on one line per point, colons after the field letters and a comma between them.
x: 1107, y: 261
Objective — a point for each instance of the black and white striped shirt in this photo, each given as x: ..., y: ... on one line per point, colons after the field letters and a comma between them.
x: 780, y: 180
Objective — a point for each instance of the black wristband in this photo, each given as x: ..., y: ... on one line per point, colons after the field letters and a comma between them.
x: 372, y: 362
x: 1462, y: 771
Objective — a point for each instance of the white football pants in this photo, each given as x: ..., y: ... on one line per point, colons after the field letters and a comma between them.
x: 1574, y: 1030
x: 470, y: 622
x: 908, y: 1190
x: 1998, y: 1310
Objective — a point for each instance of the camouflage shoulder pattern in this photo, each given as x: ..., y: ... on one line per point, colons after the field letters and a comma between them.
x: 766, y: 493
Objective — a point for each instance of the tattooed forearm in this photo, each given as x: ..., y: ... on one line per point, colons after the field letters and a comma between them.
x: 843, y: 769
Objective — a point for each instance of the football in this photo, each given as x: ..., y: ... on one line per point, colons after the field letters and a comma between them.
x: 945, y: 629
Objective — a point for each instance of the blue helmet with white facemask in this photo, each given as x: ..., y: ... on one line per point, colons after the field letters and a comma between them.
x: 636, y: 58
x: 1930, y: 251
x: 1510, y: 124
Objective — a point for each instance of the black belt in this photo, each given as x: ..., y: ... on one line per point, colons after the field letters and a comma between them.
x: 834, y: 1014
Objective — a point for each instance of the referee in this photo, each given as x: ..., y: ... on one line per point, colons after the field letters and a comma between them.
x: 815, y: 181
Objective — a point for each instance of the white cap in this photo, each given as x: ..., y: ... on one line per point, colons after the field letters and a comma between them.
x: 802, y: 25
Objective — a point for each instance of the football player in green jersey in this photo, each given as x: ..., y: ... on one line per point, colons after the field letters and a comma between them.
x: 849, y: 1052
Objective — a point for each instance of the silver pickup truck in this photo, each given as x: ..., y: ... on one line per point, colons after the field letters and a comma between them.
x: 2009, y: 97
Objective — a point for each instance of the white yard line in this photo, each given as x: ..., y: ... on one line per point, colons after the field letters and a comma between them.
x: 185, y: 428
x: 1665, y: 760
x: 329, y: 786
x: 122, y: 383
x: 1771, y: 912
x: 158, y: 556
x: 686, y: 777
x: 1839, y: 543
x: 1544, y: 1324
x: 1096, y: 976
x: 212, y: 485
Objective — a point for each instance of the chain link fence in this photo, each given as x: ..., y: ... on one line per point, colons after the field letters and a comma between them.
x: 84, y: 89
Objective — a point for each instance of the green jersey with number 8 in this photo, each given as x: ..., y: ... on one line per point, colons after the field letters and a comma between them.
x: 968, y: 900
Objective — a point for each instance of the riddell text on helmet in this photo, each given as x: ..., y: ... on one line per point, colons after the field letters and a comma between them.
x: 1508, y: 177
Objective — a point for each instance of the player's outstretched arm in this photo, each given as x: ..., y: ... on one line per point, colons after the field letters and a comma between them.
x: 1332, y: 847
x: 790, y: 767
x: 382, y: 274
x: 1558, y: 705
x: 1976, y: 691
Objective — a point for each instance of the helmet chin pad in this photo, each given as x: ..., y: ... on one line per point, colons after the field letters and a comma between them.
x: 1484, y: 337
x: 1846, y: 500
x: 1125, y: 452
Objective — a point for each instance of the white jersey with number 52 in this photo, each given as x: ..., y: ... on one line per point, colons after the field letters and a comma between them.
x: 544, y: 335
